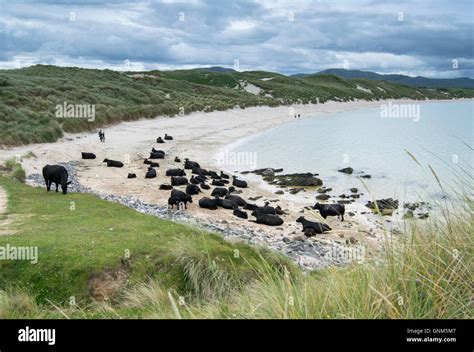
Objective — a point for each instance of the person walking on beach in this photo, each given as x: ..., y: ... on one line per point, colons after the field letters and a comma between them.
x: 101, y: 136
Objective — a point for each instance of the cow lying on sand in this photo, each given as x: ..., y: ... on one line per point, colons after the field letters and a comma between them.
x: 312, y: 226
x: 56, y: 174
x: 267, y: 219
x: 113, y: 163
x: 88, y: 155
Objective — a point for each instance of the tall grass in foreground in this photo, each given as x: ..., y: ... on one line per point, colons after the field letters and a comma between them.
x: 428, y: 275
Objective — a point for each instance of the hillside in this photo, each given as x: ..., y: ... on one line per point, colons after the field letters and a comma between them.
x: 29, y: 96
x: 422, y: 82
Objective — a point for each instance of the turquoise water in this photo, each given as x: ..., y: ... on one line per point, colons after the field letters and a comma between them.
x: 441, y: 135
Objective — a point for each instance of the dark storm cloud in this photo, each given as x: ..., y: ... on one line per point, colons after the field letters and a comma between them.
x: 414, y: 37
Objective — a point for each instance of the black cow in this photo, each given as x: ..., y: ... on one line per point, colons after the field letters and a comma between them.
x: 204, y: 186
x: 223, y: 175
x: 330, y: 210
x: 219, y: 191
x: 56, y: 174
x: 316, y: 227
x: 179, y: 181
x: 153, y: 164
x: 250, y: 206
x: 267, y: 209
x: 226, y: 203
x: 199, y: 171
x: 217, y: 183
x: 240, y: 214
x: 188, y: 164
x: 151, y: 173
x: 132, y: 176
x: 159, y: 154
x: 177, y: 160
x: 166, y: 187
x: 208, y: 203
x: 198, y: 179
x: 175, y: 172
x: 160, y: 140
x: 214, y: 175
x: 192, y: 190
x: 168, y: 138
x: 113, y: 163
x: 179, y: 197
x: 88, y: 155
x: 267, y: 219
x: 239, y: 183
x: 147, y: 162
x: 239, y: 200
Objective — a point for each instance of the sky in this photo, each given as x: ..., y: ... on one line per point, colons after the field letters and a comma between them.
x: 432, y: 38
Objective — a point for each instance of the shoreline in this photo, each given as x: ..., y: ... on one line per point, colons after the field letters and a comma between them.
x: 199, y: 136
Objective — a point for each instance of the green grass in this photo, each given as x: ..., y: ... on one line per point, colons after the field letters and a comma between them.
x: 28, y: 96
x: 77, y: 245
x: 15, y: 170
x: 175, y: 271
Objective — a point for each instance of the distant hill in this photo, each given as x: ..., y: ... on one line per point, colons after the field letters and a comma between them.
x: 219, y: 69
x: 422, y: 82
x: 29, y: 96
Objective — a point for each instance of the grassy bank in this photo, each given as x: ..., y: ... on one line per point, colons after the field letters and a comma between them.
x: 28, y: 96
x: 118, y: 263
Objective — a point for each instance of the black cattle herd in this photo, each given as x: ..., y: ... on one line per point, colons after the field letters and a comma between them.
x: 223, y: 195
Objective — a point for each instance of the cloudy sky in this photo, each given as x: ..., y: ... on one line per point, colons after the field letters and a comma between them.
x: 415, y: 37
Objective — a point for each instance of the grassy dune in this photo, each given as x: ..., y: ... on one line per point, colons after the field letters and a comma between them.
x: 28, y: 96
x: 175, y: 271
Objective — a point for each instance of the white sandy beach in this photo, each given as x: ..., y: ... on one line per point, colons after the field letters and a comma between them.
x: 198, y: 136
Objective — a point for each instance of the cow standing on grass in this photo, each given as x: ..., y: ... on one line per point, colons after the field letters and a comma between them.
x: 56, y: 174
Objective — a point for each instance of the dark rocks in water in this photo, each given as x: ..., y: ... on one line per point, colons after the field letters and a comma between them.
x: 298, y: 180
x: 265, y: 171
x: 423, y: 215
x: 354, y: 190
x: 324, y: 190
x: 365, y: 176
x: 355, y: 196
x: 295, y: 190
x: 414, y: 206
x: 322, y: 197
x: 347, y: 170
x: 345, y: 201
x: 343, y: 196
x: 279, y: 192
x: 351, y: 213
x: 268, y: 173
x: 383, y: 204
